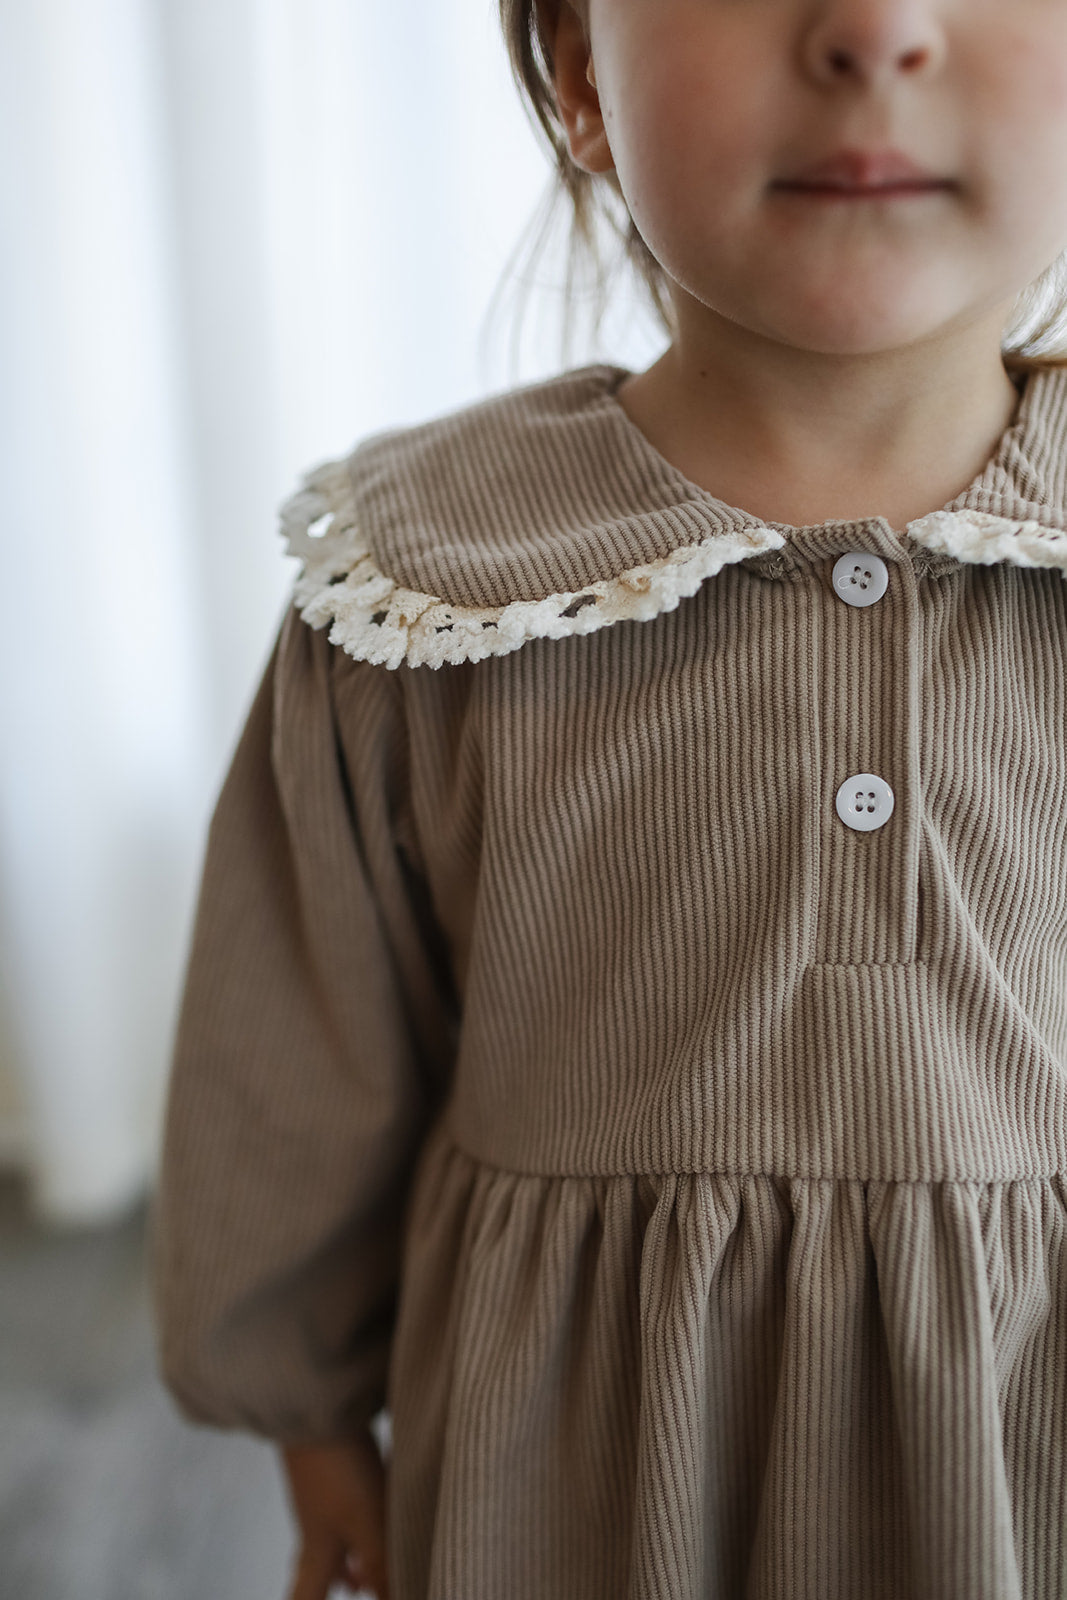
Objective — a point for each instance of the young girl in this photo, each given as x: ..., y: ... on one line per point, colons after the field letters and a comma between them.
x: 626, y: 1026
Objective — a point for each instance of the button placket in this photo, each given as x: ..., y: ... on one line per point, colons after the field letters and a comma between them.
x: 864, y: 801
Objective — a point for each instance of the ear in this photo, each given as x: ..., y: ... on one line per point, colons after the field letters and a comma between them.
x: 574, y: 79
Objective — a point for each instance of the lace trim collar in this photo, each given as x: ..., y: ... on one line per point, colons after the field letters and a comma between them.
x: 345, y: 583
x: 375, y: 619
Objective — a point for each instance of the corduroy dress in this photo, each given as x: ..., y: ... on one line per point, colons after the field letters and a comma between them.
x: 625, y: 1029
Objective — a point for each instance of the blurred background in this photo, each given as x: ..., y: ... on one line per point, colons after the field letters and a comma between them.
x: 235, y: 238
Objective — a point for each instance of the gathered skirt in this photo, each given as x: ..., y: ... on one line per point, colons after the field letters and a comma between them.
x: 719, y: 1386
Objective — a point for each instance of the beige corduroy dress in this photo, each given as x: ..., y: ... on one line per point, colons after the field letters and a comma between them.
x: 625, y: 1029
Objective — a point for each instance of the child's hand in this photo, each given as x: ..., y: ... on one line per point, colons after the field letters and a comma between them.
x: 338, y: 1496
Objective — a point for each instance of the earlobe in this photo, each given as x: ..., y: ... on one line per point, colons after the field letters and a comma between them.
x: 574, y: 79
x: 588, y: 138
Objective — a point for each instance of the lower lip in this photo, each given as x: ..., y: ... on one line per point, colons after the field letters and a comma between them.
x: 889, y: 191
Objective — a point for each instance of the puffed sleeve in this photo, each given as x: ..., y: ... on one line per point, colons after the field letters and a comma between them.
x: 314, y: 1044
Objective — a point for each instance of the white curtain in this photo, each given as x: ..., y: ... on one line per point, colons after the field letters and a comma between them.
x: 234, y: 238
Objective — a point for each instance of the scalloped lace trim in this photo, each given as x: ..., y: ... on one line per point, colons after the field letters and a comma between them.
x: 374, y: 619
x: 978, y: 537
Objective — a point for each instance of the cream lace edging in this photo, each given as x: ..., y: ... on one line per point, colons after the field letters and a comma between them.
x: 375, y: 619
x: 982, y: 539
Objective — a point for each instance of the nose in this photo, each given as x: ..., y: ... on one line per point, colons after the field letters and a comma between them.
x: 872, y: 41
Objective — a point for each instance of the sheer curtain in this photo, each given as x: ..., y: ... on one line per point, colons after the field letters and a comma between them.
x: 236, y: 237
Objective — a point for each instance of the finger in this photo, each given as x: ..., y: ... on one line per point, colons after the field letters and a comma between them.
x: 369, y: 1574
x: 367, y: 1537
x: 364, y: 1527
x: 318, y: 1567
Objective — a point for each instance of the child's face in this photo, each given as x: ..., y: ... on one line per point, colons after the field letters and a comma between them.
x: 706, y: 107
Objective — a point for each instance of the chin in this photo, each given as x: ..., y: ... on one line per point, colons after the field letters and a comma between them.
x: 857, y: 317
x: 854, y: 330
x: 852, y: 342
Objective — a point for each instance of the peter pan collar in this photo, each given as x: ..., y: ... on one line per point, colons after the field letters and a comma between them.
x: 544, y: 512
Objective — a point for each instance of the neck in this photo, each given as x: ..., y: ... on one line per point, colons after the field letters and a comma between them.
x: 798, y: 438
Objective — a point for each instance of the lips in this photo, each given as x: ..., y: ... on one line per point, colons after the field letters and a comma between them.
x: 864, y: 171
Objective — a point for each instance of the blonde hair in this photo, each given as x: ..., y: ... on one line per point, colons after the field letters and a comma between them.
x: 1036, y: 335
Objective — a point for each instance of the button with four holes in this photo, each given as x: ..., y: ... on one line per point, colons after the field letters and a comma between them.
x: 865, y: 802
x: 860, y: 578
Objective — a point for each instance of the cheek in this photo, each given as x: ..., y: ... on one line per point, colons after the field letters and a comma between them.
x: 691, y: 139
x: 1018, y: 88
x: 1029, y: 63
x: 1027, y: 151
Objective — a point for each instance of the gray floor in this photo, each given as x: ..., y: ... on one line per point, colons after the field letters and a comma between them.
x: 105, y: 1493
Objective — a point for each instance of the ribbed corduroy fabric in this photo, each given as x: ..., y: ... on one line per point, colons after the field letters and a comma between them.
x: 685, y: 1169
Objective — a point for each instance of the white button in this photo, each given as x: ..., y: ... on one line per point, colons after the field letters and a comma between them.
x: 860, y: 578
x: 865, y: 802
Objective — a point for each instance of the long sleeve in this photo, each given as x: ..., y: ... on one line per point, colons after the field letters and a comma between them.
x: 314, y: 1044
